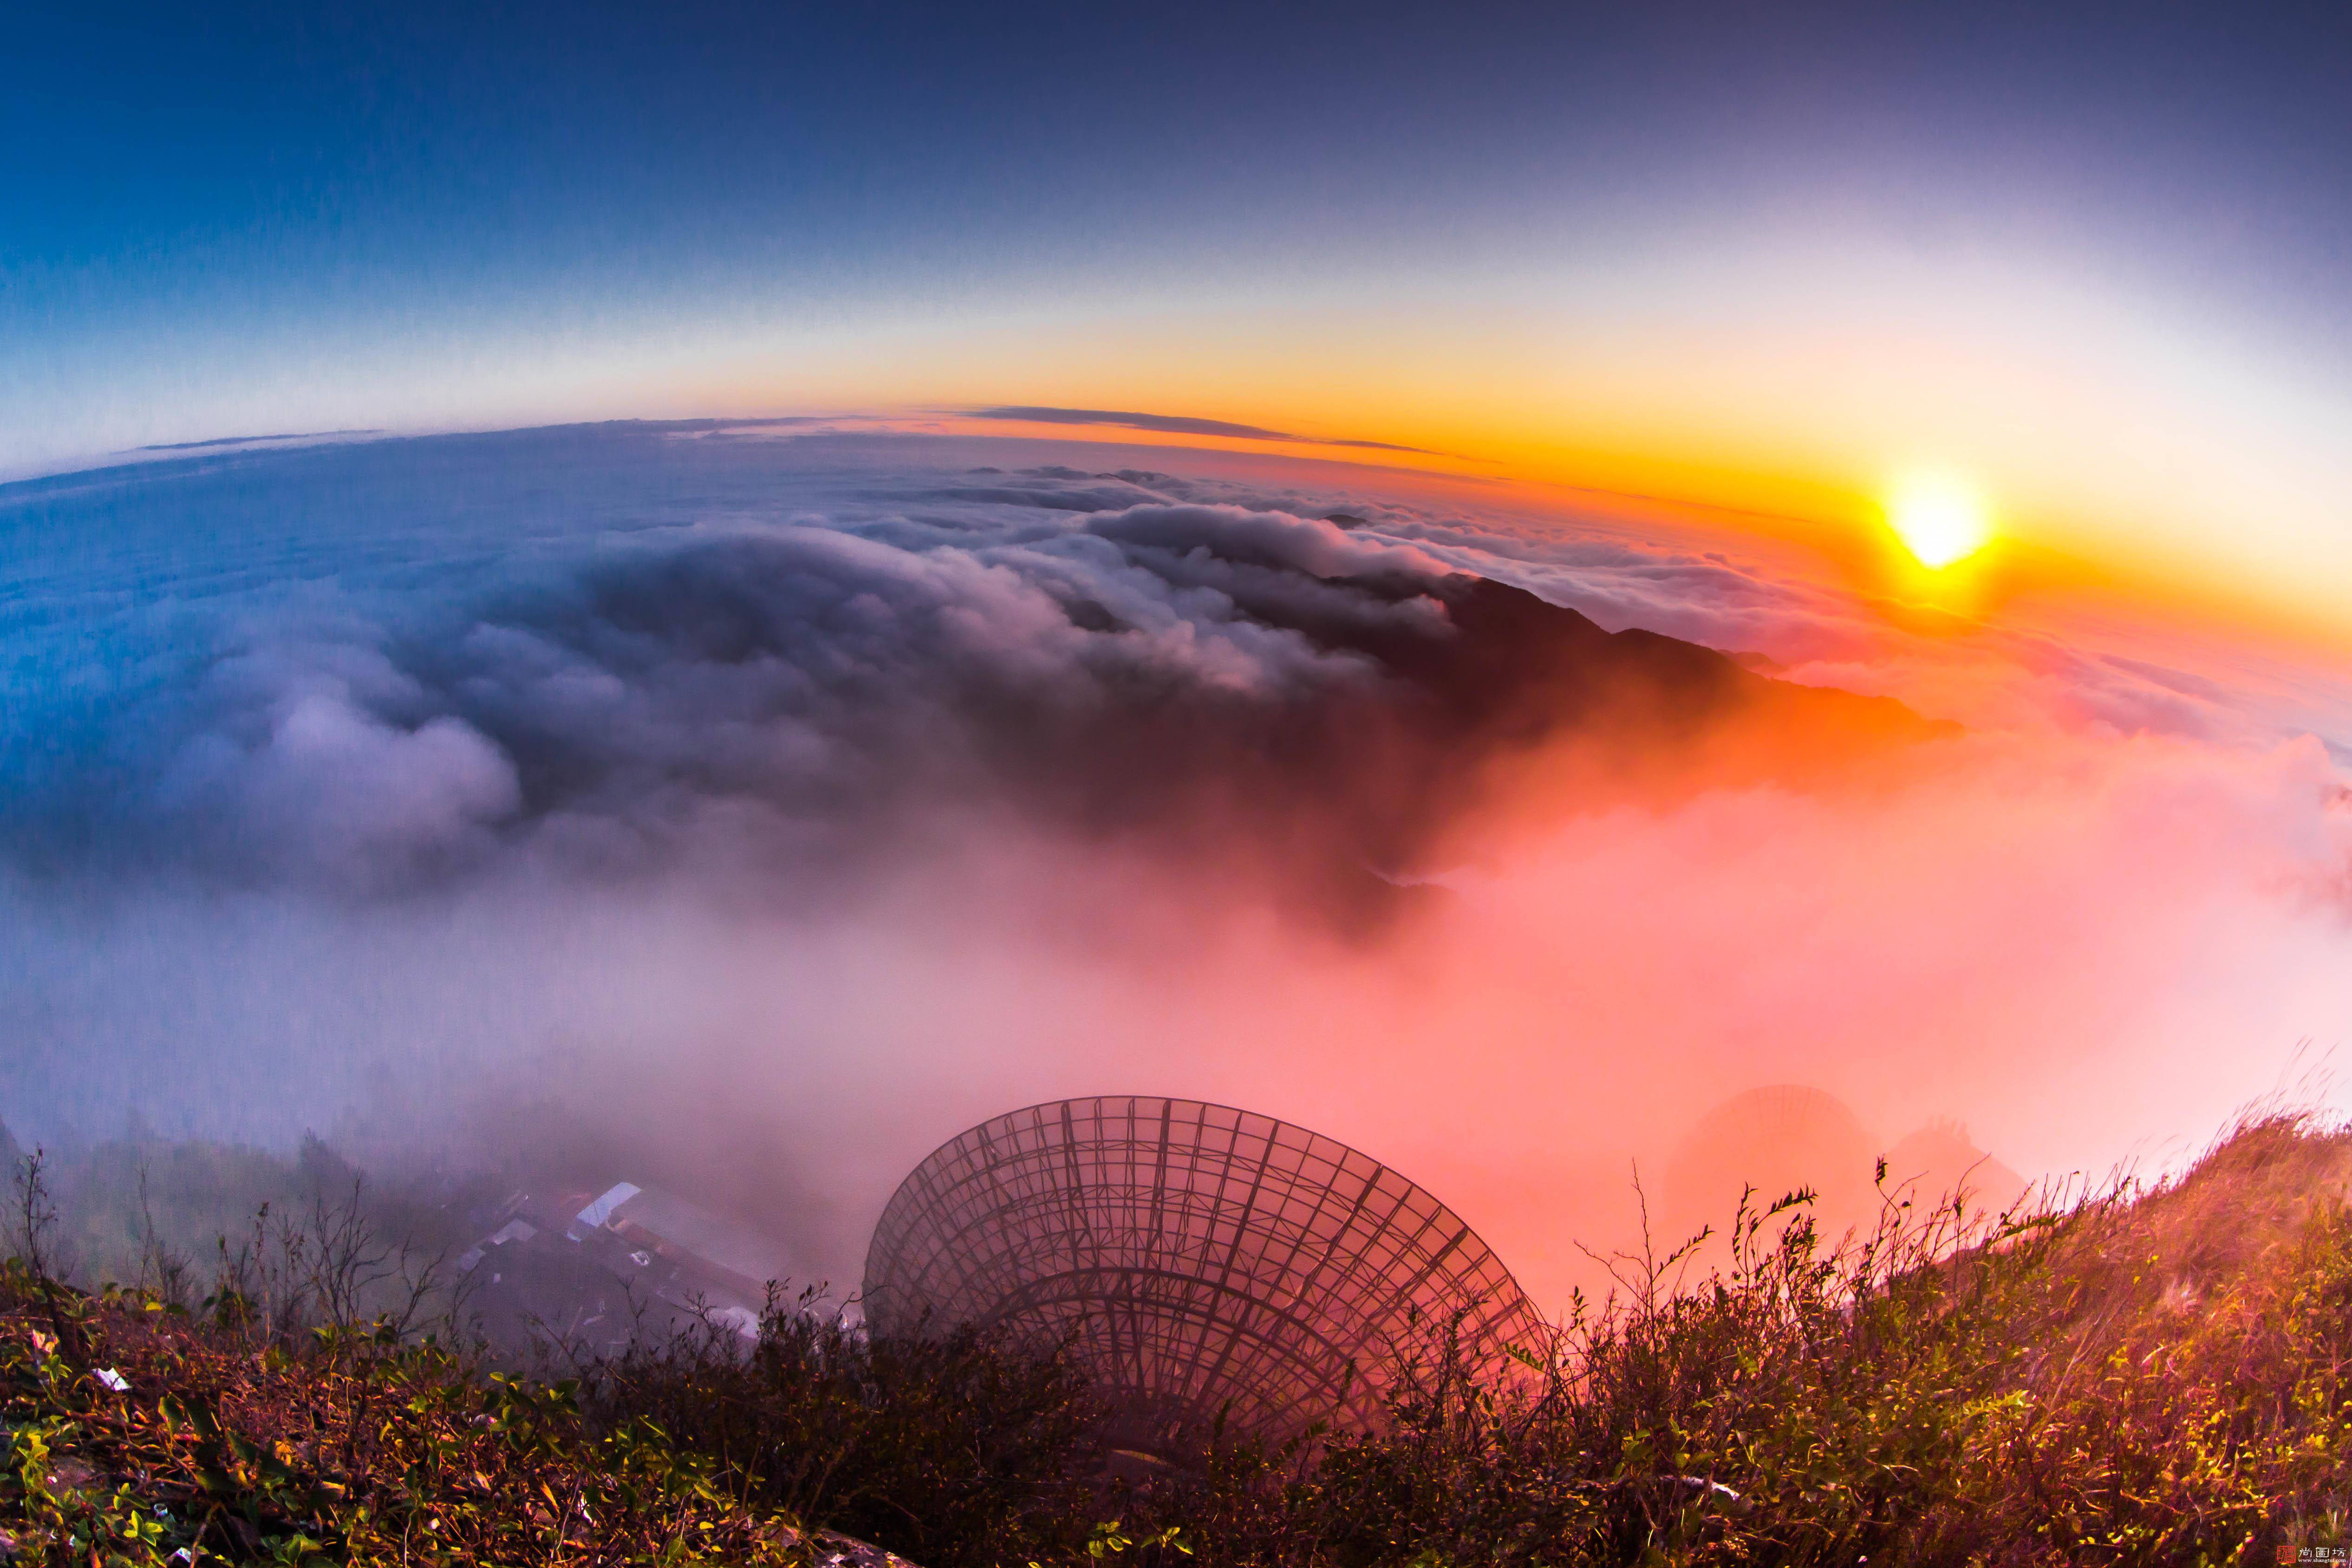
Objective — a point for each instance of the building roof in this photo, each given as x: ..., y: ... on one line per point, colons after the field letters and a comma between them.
x: 682, y: 1228
x: 601, y: 1210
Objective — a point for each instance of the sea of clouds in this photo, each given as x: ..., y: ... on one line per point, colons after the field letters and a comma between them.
x: 766, y: 807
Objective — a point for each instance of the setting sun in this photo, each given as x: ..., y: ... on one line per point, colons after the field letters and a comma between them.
x: 1939, y: 520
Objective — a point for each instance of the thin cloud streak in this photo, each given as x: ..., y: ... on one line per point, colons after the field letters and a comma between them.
x: 1179, y: 424
x: 249, y: 440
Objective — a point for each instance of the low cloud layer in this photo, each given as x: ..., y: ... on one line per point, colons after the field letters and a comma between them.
x: 789, y: 695
x: 598, y: 700
x: 767, y: 808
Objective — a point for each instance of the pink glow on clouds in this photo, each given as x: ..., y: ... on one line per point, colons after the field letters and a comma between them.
x: 2088, y: 947
x: 2115, y: 911
x: 2086, y: 951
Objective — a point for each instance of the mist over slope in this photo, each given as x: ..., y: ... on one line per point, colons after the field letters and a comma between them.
x: 760, y: 811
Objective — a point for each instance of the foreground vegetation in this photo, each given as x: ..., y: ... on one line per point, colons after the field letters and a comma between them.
x: 2159, y: 1377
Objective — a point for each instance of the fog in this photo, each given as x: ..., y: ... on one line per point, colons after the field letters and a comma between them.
x: 755, y: 813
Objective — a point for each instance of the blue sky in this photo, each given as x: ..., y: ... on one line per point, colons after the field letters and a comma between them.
x: 257, y: 218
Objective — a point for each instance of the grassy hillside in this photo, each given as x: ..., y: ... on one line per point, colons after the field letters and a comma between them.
x: 2147, y: 1376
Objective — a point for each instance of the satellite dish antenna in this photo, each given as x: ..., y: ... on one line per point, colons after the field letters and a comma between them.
x: 1204, y: 1264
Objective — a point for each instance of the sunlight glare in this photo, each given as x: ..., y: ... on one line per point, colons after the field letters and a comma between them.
x: 1940, y: 520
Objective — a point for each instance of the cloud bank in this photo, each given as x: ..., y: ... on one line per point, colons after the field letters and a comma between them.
x: 766, y: 810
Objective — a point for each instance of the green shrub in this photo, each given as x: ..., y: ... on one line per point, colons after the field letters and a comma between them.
x: 959, y: 1451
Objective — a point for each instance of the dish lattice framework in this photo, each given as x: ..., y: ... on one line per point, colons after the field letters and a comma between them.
x: 1198, y: 1259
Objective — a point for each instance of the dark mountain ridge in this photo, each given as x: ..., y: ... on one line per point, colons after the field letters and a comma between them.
x: 1490, y: 700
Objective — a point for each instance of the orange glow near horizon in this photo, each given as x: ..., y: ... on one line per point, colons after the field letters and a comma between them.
x: 1926, y: 542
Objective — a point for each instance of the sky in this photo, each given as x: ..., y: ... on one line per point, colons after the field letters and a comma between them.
x: 711, y: 575
x: 2090, y: 257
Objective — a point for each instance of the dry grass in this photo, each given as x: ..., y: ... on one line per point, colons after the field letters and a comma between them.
x: 2142, y: 1376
